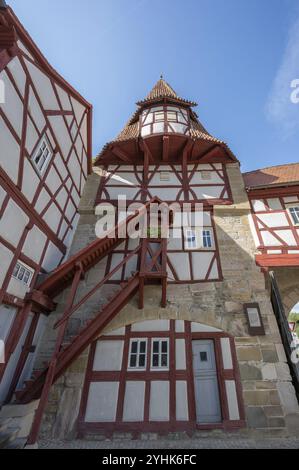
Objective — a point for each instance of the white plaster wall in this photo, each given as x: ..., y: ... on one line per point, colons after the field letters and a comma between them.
x: 6, y: 257
x: 36, y: 111
x: 43, y: 87
x: 258, y: 206
x: 52, y: 217
x: 182, y: 413
x: 34, y: 244
x: 134, y: 401
x: 102, y: 402
x: 9, y: 152
x: 64, y: 98
x: 13, y: 223
x: 52, y: 258
x: 108, y: 356
x: 180, y: 354
x: 18, y: 74
x: 159, y: 401
x: 278, y: 219
x: 30, y: 181
x: 151, y: 325
x: 13, y: 113
x: 208, y: 192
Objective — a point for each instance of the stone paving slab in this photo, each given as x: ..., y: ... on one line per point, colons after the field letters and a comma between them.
x: 175, y: 444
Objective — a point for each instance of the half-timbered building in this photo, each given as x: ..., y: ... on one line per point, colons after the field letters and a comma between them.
x: 45, y: 157
x: 146, y: 334
x: 150, y: 334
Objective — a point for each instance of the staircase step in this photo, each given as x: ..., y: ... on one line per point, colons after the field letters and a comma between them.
x: 7, y: 438
x: 4, y: 424
x: 17, y: 444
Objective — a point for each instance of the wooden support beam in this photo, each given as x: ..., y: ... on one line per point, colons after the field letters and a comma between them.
x: 33, y: 436
x: 165, y: 155
x: 121, y: 154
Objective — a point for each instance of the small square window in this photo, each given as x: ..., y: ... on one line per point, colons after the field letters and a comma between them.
x: 164, y: 176
x: 137, y: 354
x: 160, y: 354
x: 204, y: 356
x: 42, y: 155
x: 22, y: 273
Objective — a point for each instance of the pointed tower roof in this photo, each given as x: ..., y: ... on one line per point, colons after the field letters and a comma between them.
x: 161, y: 90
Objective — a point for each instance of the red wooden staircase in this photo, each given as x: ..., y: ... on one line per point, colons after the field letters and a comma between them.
x: 69, y: 275
x: 87, y: 335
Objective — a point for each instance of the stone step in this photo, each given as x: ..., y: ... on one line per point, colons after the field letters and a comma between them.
x: 17, y: 444
x: 8, y: 438
x: 4, y: 424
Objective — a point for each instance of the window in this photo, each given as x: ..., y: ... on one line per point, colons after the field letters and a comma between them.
x: 42, y: 155
x: 137, y: 356
x: 294, y: 211
x: 207, y: 239
x: 22, y: 273
x: 206, y: 175
x: 160, y: 354
x: 190, y: 239
x: 159, y: 116
x: 164, y: 176
x: 172, y: 116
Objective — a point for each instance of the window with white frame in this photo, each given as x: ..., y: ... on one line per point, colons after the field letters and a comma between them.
x: 42, y: 155
x: 160, y: 354
x: 294, y: 212
x: 207, y: 241
x: 196, y: 239
x: 190, y: 239
x: 137, y: 354
x: 22, y: 273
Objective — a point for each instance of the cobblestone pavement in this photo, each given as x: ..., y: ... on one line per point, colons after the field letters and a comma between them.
x: 234, y: 443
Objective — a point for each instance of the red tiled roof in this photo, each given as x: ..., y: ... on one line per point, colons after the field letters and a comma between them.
x: 273, y: 176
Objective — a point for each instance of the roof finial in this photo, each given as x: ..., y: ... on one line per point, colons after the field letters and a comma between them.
x: 161, y: 76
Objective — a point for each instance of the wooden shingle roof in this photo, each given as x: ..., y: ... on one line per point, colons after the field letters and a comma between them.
x: 281, y: 175
x: 161, y: 90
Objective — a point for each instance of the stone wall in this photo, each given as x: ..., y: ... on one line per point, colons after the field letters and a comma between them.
x: 269, y: 397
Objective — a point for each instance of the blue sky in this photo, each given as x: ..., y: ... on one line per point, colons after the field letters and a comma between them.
x: 236, y: 58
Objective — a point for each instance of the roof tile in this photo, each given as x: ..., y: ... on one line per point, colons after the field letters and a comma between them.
x: 272, y: 176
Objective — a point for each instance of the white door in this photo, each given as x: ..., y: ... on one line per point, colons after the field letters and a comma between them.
x: 208, y: 409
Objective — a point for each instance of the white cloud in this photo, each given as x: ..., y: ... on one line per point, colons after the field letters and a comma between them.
x: 280, y: 109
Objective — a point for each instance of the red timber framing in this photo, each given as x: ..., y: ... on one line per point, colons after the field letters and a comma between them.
x: 70, y: 274
x: 282, y: 253
x: 16, y: 44
x: 172, y: 375
x: 145, y: 190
